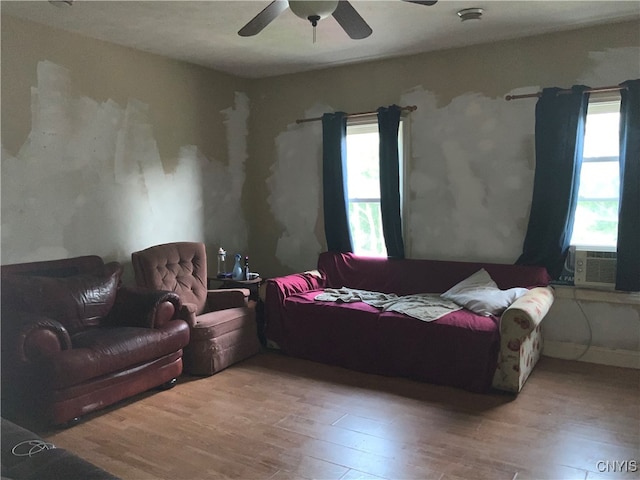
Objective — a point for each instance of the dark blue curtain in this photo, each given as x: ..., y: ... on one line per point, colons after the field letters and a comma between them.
x: 334, y: 157
x: 628, y: 264
x: 388, y: 123
x: 559, y: 139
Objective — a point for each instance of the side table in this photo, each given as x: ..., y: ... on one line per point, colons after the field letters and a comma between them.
x: 253, y: 285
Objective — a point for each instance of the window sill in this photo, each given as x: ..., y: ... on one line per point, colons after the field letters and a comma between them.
x: 594, y: 295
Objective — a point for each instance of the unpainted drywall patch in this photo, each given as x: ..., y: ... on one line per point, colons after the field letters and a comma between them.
x: 612, y: 66
x: 294, y: 187
x: 226, y: 224
x: 470, y: 177
x: 89, y: 179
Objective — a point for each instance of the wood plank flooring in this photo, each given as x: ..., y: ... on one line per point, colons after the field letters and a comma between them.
x: 275, y: 417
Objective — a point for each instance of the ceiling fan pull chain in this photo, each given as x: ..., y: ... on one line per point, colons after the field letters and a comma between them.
x: 314, y: 19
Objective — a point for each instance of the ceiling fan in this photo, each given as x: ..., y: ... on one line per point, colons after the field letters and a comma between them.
x: 314, y: 11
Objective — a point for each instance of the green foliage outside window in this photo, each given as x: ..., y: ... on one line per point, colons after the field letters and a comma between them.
x: 596, y: 222
x: 366, y: 228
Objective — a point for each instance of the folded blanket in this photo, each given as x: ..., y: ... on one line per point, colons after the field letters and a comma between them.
x: 423, y: 306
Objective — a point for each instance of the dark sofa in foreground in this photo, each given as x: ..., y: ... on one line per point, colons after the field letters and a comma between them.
x: 74, y: 340
x: 26, y: 456
x: 462, y: 348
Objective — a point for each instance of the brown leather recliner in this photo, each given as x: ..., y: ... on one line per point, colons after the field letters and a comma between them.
x: 74, y: 340
x: 223, y: 323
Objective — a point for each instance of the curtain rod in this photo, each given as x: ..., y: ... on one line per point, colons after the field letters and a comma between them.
x: 612, y: 88
x: 408, y: 108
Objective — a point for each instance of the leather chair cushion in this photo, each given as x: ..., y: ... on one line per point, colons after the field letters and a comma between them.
x: 220, y: 322
x: 77, y: 301
x: 101, y: 351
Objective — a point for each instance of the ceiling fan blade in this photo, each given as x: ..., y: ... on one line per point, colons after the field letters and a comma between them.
x: 351, y: 21
x: 422, y: 2
x: 264, y: 18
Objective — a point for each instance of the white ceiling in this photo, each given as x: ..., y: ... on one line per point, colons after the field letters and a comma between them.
x: 205, y: 32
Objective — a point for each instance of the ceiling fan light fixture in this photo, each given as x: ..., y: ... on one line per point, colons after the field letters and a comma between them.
x: 342, y: 11
x: 470, y: 14
x: 313, y: 10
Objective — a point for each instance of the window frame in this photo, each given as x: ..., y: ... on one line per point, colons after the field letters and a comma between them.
x: 371, y: 121
x: 603, y: 104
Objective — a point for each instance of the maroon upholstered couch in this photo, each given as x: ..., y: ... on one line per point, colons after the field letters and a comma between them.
x: 459, y: 349
x: 74, y: 340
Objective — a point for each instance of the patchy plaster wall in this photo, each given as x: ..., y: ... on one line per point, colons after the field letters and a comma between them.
x: 224, y: 184
x: 472, y: 153
x: 106, y: 150
x: 296, y: 180
x: 469, y: 189
x: 108, y: 172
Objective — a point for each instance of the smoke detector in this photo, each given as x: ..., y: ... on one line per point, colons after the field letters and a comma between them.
x: 470, y: 14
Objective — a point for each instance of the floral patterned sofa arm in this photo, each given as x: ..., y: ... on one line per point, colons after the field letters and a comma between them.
x: 521, y: 338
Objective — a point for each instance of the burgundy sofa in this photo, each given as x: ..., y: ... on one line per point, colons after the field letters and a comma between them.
x: 74, y: 340
x: 460, y: 349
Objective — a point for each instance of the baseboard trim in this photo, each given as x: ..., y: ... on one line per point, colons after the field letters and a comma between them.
x: 582, y: 353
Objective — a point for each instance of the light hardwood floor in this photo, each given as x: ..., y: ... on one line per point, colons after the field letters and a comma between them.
x: 275, y: 417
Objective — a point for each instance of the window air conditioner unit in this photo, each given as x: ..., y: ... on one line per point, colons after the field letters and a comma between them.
x: 595, y: 269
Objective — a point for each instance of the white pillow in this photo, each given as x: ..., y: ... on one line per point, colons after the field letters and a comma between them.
x: 480, y: 294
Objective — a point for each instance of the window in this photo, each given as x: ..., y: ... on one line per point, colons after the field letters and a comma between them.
x: 363, y: 184
x: 596, y: 219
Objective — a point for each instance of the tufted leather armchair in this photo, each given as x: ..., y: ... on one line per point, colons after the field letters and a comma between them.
x: 74, y: 340
x: 223, y: 322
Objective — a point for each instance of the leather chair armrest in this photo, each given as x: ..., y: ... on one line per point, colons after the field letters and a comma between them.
x: 224, y: 298
x: 144, y: 307
x: 33, y: 336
